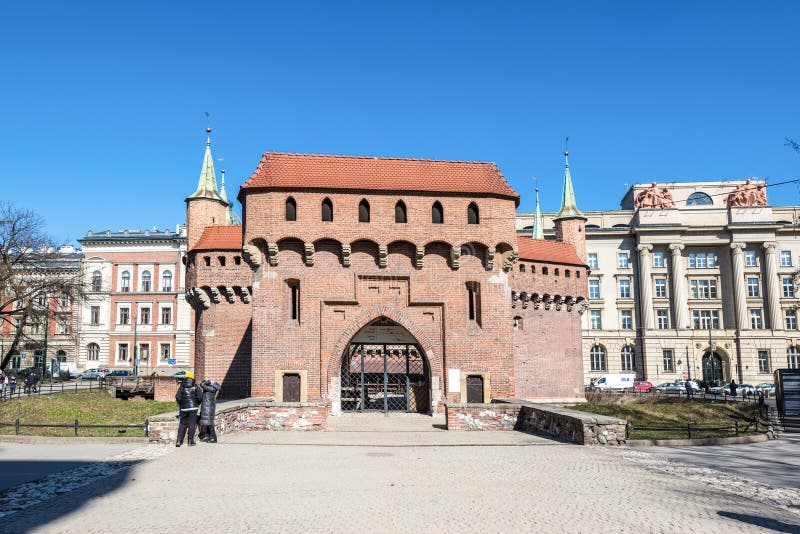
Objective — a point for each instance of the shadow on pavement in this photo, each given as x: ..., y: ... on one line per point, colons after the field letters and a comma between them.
x: 61, y: 488
x: 765, y: 522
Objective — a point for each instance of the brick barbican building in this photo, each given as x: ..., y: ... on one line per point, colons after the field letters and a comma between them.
x: 383, y: 284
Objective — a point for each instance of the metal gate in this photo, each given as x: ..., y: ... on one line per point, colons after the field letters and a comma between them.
x: 385, y: 377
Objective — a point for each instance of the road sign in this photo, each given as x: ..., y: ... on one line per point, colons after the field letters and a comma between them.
x: 23, y: 357
x: 171, y: 361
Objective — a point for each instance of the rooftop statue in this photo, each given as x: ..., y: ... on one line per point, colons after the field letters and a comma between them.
x: 655, y: 197
x: 748, y: 194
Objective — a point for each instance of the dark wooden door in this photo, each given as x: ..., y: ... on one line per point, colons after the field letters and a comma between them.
x: 291, y: 388
x: 475, y: 389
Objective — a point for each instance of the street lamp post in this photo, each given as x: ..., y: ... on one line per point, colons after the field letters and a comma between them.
x: 135, y: 348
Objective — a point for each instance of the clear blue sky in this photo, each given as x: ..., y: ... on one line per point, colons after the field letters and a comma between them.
x: 103, y: 102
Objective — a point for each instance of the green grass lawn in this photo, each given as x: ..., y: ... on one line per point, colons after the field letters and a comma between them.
x: 88, y: 407
x: 674, y: 412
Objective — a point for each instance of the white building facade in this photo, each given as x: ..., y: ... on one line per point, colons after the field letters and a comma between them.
x: 691, y: 280
x: 134, y: 314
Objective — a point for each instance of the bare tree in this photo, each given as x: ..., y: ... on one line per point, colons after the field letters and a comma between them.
x: 34, y: 278
x: 793, y: 144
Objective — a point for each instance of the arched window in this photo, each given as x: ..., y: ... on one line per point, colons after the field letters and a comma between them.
x: 363, y: 211
x: 97, y: 281
x: 628, y: 358
x: 598, y: 358
x: 166, y: 281
x: 147, y: 281
x: 291, y: 209
x: 472, y: 214
x: 437, y: 213
x: 400, y: 212
x: 125, y: 281
x: 793, y: 358
x: 699, y: 199
x: 92, y: 352
x: 327, y: 210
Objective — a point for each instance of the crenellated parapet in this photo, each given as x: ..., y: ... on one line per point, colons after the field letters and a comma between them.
x: 201, y: 298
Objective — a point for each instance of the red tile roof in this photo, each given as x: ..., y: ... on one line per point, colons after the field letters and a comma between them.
x: 315, y: 171
x: 547, y: 251
x: 220, y: 238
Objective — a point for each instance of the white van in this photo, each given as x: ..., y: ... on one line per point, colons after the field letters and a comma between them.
x: 615, y: 381
x: 67, y: 369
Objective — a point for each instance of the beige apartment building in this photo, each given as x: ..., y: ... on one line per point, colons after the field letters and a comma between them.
x: 690, y: 280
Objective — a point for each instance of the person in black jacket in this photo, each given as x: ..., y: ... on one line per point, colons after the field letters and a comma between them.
x: 188, y: 398
x: 207, y: 409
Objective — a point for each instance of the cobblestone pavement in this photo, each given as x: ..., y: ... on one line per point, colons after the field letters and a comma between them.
x: 430, y: 481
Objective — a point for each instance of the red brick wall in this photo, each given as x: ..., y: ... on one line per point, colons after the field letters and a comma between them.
x: 201, y: 212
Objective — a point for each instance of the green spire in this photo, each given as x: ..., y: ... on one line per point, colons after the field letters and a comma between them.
x: 569, y: 208
x: 230, y: 217
x: 537, y: 232
x: 207, y: 185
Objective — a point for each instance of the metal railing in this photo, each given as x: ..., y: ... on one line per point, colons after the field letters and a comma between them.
x: 701, y: 395
x: 44, y: 388
x: 75, y: 425
x: 693, y: 428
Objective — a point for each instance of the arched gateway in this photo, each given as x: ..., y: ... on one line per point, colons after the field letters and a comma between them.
x: 713, y: 371
x: 385, y: 369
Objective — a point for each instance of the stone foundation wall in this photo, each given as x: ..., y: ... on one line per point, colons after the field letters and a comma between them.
x: 481, y: 416
x: 250, y: 414
x: 561, y: 423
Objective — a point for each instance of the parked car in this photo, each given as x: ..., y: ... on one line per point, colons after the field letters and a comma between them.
x: 180, y: 375
x: 723, y: 389
x: 118, y: 372
x: 694, y: 385
x: 745, y: 389
x: 642, y: 386
x: 93, y: 374
x: 670, y: 387
x: 767, y: 387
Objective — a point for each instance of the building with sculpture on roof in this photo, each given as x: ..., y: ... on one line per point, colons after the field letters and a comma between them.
x: 383, y: 284
x: 690, y: 280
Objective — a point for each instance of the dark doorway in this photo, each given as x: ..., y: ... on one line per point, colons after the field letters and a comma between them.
x: 712, y: 368
x: 474, y: 389
x: 291, y: 387
x: 385, y: 377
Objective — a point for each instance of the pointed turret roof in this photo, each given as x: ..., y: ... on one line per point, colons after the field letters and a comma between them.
x: 569, y: 208
x: 537, y: 232
x: 207, y: 185
x: 230, y: 216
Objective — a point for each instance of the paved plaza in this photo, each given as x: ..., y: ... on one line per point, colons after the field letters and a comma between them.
x: 399, y: 474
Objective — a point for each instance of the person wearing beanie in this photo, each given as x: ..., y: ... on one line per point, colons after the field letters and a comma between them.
x: 209, y: 405
x: 188, y: 398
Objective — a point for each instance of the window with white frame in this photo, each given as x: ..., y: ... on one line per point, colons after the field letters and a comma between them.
x: 702, y: 318
x: 756, y: 319
x: 750, y: 258
x: 166, y: 281
x: 786, y: 258
x: 662, y: 319
x: 702, y: 260
x: 790, y: 319
x: 668, y: 360
x: 144, y: 315
x: 624, y: 288
x: 122, y: 352
x: 94, y: 315
x: 593, y: 260
x: 752, y: 287
x: 144, y: 351
x: 97, y: 281
x: 63, y: 325
x: 597, y: 358
x: 92, y: 352
x: 594, y: 288
x: 628, y: 358
x: 147, y: 281
x: 125, y: 281
x: 793, y: 358
x: 65, y: 300
x: 623, y: 260
x: 788, y: 288
x: 703, y: 289
x: 763, y: 361
x: 166, y: 315
x: 166, y: 351
x: 658, y: 259
x: 595, y: 319
x: 124, y: 315
x: 661, y: 288
x: 626, y: 319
